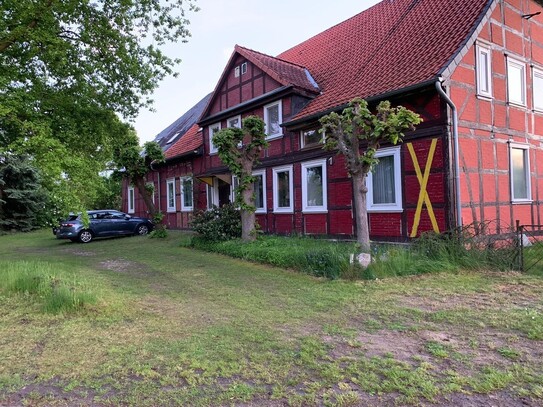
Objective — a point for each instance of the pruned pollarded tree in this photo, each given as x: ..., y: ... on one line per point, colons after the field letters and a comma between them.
x: 240, y: 149
x: 357, y: 134
x: 136, y: 163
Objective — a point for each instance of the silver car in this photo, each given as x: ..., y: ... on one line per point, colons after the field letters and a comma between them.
x: 103, y: 223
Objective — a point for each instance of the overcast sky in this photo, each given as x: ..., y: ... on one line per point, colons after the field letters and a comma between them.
x: 265, y: 26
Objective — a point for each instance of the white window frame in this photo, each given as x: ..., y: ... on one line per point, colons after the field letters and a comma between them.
x: 388, y: 207
x: 212, y: 148
x: 526, y: 149
x: 482, y: 74
x: 514, y: 65
x: 277, y: 209
x: 236, y: 72
x: 305, y: 205
x: 131, y: 200
x: 537, y: 88
x: 280, y: 113
x: 184, y: 206
x: 212, y: 194
x: 233, y: 186
x: 170, y: 208
x: 243, y: 68
x: 261, y: 173
x: 302, y: 139
x: 233, y: 118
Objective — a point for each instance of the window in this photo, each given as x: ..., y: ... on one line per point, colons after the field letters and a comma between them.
x: 211, y: 195
x: 538, y: 89
x: 214, y: 128
x: 236, y: 72
x: 170, y: 194
x: 186, y: 194
x: 272, y: 119
x: 260, y: 191
x: 282, y: 189
x: 520, y: 172
x: 484, y: 71
x: 244, y: 68
x: 384, y: 182
x: 311, y: 138
x: 234, y: 187
x: 172, y: 138
x: 131, y: 200
x: 150, y: 186
x: 314, y: 197
x: 234, y: 122
x: 516, y: 82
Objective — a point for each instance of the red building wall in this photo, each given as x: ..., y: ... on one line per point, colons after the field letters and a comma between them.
x: 489, y: 124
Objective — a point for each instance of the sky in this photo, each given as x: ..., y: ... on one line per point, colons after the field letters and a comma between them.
x: 269, y: 27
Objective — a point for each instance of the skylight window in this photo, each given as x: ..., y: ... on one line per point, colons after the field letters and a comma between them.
x: 172, y: 138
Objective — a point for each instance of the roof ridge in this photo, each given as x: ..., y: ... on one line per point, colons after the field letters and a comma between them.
x: 271, y: 56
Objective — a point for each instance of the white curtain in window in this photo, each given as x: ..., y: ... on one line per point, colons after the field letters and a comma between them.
x: 383, y: 181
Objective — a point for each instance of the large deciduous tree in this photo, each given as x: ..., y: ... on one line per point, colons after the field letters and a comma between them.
x: 69, y: 69
x: 357, y: 134
x: 240, y: 149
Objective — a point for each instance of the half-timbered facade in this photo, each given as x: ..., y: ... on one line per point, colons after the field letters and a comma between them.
x: 480, y: 59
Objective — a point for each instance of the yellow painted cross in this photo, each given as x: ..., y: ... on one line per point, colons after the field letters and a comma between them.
x: 424, y: 198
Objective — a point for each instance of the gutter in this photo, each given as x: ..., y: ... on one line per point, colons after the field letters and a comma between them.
x: 448, y: 100
x: 300, y: 123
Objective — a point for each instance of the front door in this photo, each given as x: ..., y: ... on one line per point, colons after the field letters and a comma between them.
x: 224, y: 192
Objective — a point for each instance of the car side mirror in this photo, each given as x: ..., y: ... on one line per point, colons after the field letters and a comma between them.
x: 128, y: 217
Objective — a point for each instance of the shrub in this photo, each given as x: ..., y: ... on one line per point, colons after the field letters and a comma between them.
x: 218, y: 224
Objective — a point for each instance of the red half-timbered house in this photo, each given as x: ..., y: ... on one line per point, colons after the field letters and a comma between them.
x: 473, y: 69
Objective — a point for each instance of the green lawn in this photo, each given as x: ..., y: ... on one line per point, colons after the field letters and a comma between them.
x: 172, y: 326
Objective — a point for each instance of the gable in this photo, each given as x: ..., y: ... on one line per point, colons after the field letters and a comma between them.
x: 250, y: 75
x: 242, y: 81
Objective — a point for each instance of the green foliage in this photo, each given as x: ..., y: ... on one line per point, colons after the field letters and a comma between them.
x: 68, y: 71
x: 218, y: 224
x: 358, y: 128
x: 239, y: 150
x: 317, y: 257
x: 41, y: 283
x: 23, y: 200
x: 109, y: 192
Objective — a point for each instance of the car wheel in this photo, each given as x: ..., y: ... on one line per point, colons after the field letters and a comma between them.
x: 85, y: 236
x: 142, y: 230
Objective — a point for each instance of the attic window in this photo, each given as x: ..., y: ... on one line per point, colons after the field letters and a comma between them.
x: 236, y: 71
x: 244, y: 68
x: 172, y: 138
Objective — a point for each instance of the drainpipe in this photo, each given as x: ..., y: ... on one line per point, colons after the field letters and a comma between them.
x: 455, y: 151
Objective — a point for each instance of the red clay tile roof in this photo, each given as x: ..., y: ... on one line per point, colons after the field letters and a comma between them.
x: 188, y: 142
x: 284, y: 72
x: 393, y: 45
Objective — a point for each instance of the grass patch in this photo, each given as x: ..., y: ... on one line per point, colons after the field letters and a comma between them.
x: 56, y: 291
x: 321, y: 258
x: 430, y: 254
x: 176, y: 326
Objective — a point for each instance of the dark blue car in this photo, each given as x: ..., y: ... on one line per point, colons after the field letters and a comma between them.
x: 103, y: 223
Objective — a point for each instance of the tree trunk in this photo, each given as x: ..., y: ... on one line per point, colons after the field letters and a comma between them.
x: 248, y: 218
x: 361, y: 212
x: 140, y: 185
